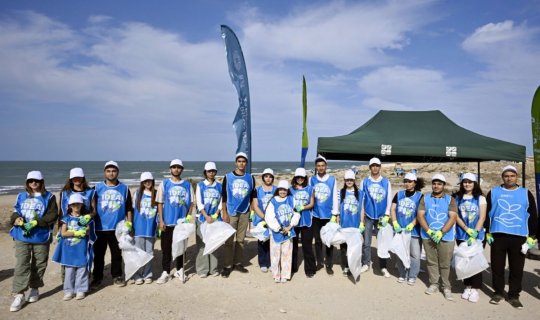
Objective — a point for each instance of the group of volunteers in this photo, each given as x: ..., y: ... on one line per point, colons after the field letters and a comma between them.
x: 506, y: 218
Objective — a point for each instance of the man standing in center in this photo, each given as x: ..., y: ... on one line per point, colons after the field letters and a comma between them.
x: 237, y: 193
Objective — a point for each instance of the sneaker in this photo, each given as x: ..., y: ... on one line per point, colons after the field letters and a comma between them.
x: 364, y: 268
x: 283, y: 280
x: 148, y: 280
x: 80, y: 296
x: 68, y: 296
x: 514, y: 302
x: 496, y: 299
x: 214, y: 274
x: 345, y: 272
x: 204, y: 275
x: 466, y: 293
x: 240, y: 268
x: 385, y: 273
x: 119, y: 282
x: 139, y: 282
x: 180, y: 274
x: 448, y: 294
x: 277, y: 281
x: 18, y: 303
x: 163, y: 278
x: 329, y: 271
x: 310, y: 275
x: 475, y: 296
x: 264, y: 269
x: 33, y: 296
x: 319, y: 267
x: 400, y: 280
x: 432, y: 289
x: 411, y: 281
x: 131, y: 281
x: 226, y: 272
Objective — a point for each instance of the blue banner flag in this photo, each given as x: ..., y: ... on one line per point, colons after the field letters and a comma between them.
x: 304, y: 126
x: 239, y: 78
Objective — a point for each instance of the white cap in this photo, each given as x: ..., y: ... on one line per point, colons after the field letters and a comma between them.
x: 268, y: 171
x: 241, y: 154
x: 146, y: 176
x: 300, y: 172
x: 439, y: 177
x: 469, y: 176
x: 509, y: 168
x: 349, y: 174
x: 319, y: 157
x: 34, y: 175
x: 410, y: 176
x: 76, y: 173
x: 111, y: 164
x: 210, y: 166
x: 75, y: 198
x: 283, y: 184
x: 176, y: 162
x: 374, y: 161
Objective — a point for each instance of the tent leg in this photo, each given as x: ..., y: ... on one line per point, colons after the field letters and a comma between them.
x: 523, y: 166
x: 478, y: 171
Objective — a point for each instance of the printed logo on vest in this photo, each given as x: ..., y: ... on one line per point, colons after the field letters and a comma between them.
x: 322, y: 192
x: 508, y: 218
x: 240, y: 188
x: 301, y: 198
x: 350, y: 205
x: 177, y: 196
x: 31, y: 209
x: 406, y: 207
x: 211, y: 197
x: 469, y: 211
x: 284, y: 214
x: 111, y: 201
x: 146, y: 208
x: 376, y: 192
x: 436, y: 219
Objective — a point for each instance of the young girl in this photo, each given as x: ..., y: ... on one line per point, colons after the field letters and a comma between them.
x: 472, y: 207
x: 304, y: 200
x: 281, y: 219
x: 350, y: 212
x: 74, y: 252
x: 209, y: 208
x: 265, y: 192
x: 145, y: 224
x: 33, y: 218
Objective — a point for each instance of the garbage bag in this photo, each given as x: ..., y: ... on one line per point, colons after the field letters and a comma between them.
x: 401, y: 246
x: 182, y: 231
x: 330, y: 234
x: 215, y: 234
x: 469, y: 260
x: 354, y: 241
x: 259, y: 232
x: 384, y: 241
x: 134, y: 257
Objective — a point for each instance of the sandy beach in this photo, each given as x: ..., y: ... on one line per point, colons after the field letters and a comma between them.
x: 256, y: 296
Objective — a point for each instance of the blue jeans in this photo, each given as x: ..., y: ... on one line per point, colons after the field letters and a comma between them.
x: 146, y: 244
x: 416, y: 251
x: 263, y: 253
x: 76, y: 280
x: 366, y: 246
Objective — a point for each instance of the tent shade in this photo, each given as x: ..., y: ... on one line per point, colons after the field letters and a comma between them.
x: 417, y: 136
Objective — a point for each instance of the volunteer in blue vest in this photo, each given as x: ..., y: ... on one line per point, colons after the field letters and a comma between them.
x: 113, y: 204
x: 350, y: 210
x: 175, y: 199
x: 208, y: 195
x: 437, y: 214
x: 511, y: 226
x: 33, y: 218
x: 265, y: 192
x: 470, y: 226
x: 404, y: 210
x: 237, y: 195
x: 326, y: 208
x: 377, y: 203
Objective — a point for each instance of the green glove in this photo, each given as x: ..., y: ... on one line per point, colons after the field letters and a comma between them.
x: 430, y: 233
x: 471, y: 241
x: 333, y: 219
x: 299, y: 208
x: 409, y: 227
x: 437, y: 236
x: 489, y: 238
x: 128, y: 225
x: 397, y: 227
x: 188, y: 219
x: 158, y: 233
x: 252, y: 215
x: 472, y: 233
x: 58, y: 236
x: 215, y: 216
x: 20, y: 223
x: 85, y: 219
x: 531, y: 242
x: 30, y: 225
x: 384, y: 221
x: 362, y: 227
x: 79, y: 233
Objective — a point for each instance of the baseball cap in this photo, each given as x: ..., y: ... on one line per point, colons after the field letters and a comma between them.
x: 111, y: 164
x: 75, y: 198
x: 146, y: 176
x: 509, y: 168
x: 469, y: 176
x: 300, y: 172
x: 374, y: 161
x: 410, y: 176
x: 283, y: 184
x: 349, y: 174
x: 439, y: 177
x: 36, y: 175
x: 176, y: 162
x: 76, y: 173
x: 268, y: 171
x: 210, y: 166
x: 241, y: 154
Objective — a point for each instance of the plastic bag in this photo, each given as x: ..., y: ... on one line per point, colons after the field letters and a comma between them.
x: 259, y: 232
x: 354, y: 241
x: 215, y: 234
x: 134, y: 257
x: 330, y: 234
x: 469, y: 260
x: 384, y: 241
x: 401, y: 246
x: 182, y: 231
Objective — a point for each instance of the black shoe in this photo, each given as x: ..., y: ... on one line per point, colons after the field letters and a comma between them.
x: 319, y: 267
x: 496, y: 299
x: 514, y: 302
x: 95, y: 284
x: 310, y: 275
x: 119, y: 282
x: 240, y: 268
x: 329, y: 271
x: 225, y: 272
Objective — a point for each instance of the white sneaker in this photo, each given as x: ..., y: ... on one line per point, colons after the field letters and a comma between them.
x: 148, y: 280
x: 466, y: 293
x: 283, y: 280
x: 276, y: 280
x: 18, y: 303
x: 68, y: 296
x: 401, y: 280
x: 180, y: 274
x: 411, y: 282
x: 33, y: 296
x: 264, y: 269
x: 131, y: 281
x: 80, y: 296
x: 475, y: 296
x: 163, y: 278
x: 448, y: 295
x: 432, y: 289
x: 364, y: 268
x: 385, y: 273
x: 139, y: 282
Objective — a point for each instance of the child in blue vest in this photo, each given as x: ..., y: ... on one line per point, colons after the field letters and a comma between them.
x: 144, y: 224
x: 281, y: 219
x: 350, y: 212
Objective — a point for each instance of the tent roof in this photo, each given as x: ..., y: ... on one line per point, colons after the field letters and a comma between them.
x: 417, y: 136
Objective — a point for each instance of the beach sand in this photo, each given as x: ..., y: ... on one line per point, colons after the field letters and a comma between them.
x: 256, y: 296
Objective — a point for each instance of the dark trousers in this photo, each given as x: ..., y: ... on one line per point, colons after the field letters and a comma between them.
x: 343, y: 253
x: 166, y: 250
x: 503, y: 245
x: 475, y: 281
x: 263, y: 253
x: 317, y: 224
x: 105, y: 238
x: 306, y: 234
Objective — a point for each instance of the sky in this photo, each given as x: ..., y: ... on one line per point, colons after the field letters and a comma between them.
x: 148, y: 80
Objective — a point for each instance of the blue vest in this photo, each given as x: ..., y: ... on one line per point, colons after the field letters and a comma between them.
x: 176, y: 201
x: 211, y: 197
x: 376, y: 199
x: 407, y: 209
x: 284, y: 212
x: 263, y: 198
x: 145, y: 219
x: 72, y: 251
x: 111, y: 205
x: 239, y: 190
x: 508, y: 212
x: 30, y: 208
x: 437, y: 215
x: 349, y: 210
x: 303, y: 197
x: 324, y: 196
x: 88, y: 198
x: 469, y: 212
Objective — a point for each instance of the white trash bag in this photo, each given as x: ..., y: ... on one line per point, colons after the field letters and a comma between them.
x: 134, y: 257
x: 384, y: 241
x: 330, y: 234
x: 401, y: 246
x: 469, y: 260
x: 182, y: 231
x: 215, y: 234
x: 259, y: 232
x: 354, y: 241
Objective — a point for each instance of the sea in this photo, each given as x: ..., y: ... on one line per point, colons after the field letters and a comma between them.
x: 55, y: 173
